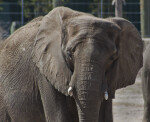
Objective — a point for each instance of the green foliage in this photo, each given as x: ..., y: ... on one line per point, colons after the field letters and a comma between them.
x: 59, y: 2
x: 34, y: 8
x: 1, y: 8
x: 106, y: 7
x: 95, y: 7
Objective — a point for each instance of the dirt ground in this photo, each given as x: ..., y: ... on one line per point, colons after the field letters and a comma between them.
x: 128, y: 104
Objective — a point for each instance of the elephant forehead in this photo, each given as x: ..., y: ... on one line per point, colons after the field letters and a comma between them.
x: 83, y: 31
x: 82, y: 27
x: 89, y: 21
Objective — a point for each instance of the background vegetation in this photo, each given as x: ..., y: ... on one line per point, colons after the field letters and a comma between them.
x: 10, y: 10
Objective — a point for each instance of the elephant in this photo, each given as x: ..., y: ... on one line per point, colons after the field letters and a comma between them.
x: 66, y: 67
x: 145, y: 73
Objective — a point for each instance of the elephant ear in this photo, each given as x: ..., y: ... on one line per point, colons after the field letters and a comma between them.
x: 47, y: 53
x: 130, y: 48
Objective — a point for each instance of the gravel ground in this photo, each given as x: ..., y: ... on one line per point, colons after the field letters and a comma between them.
x: 128, y: 104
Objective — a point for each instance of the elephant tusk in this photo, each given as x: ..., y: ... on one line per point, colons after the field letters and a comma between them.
x: 106, y: 95
x: 70, y: 91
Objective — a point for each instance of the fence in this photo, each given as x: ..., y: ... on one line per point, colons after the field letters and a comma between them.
x: 10, y: 12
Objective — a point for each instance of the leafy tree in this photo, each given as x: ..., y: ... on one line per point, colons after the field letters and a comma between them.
x: 58, y: 2
x: 1, y: 3
x: 1, y: 8
x: 33, y: 8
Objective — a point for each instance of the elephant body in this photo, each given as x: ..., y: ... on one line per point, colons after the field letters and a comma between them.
x: 57, y: 68
x: 21, y: 101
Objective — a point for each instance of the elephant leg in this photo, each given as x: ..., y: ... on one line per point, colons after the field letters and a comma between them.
x: 146, y: 95
x: 54, y: 103
x: 105, y: 114
x: 23, y: 107
x: 72, y: 109
x: 146, y: 117
x: 4, y: 116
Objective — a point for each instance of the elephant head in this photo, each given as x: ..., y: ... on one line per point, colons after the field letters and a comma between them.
x: 84, y: 56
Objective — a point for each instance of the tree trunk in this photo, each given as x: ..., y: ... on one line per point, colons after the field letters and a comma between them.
x: 145, y: 18
x: 118, y: 8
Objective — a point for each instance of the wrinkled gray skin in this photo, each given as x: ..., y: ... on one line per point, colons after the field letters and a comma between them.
x: 66, y: 48
x: 146, y: 84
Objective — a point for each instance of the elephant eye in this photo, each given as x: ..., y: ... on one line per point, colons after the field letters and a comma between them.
x: 69, y: 55
x: 69, y: 60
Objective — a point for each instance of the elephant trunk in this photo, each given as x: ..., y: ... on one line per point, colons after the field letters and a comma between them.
x: 88, y: 91
x: 88, y: 110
